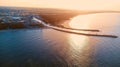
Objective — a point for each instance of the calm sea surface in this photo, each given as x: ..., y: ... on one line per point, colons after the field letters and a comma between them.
x: 51, y: 48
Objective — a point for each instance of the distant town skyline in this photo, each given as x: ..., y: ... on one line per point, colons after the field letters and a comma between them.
x: 66, y: 4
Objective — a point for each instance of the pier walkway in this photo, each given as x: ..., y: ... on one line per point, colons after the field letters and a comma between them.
x: 70, y: 30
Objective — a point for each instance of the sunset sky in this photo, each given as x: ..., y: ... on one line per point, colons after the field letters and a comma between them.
x: 67, y: 4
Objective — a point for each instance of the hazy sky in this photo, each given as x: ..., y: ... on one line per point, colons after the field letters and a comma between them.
x: 69, y: 4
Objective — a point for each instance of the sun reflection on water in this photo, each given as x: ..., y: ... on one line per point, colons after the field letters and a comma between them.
x: 82, y: 47
x: 77, y: 42
x: 80, y: 22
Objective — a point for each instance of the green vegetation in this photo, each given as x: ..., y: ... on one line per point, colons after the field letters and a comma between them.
x: 56, y: 19
x: 16, y: 25
x: 55, y: 16
x: 11, y: 25
x: 3, y: 26
x: 36, y: 25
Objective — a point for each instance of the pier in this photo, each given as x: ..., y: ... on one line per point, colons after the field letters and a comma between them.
x: 69, y: 30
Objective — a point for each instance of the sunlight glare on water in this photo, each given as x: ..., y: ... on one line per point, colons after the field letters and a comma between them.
x: 81, y: 22
x: 84, y: 46
x: 94, y: 21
